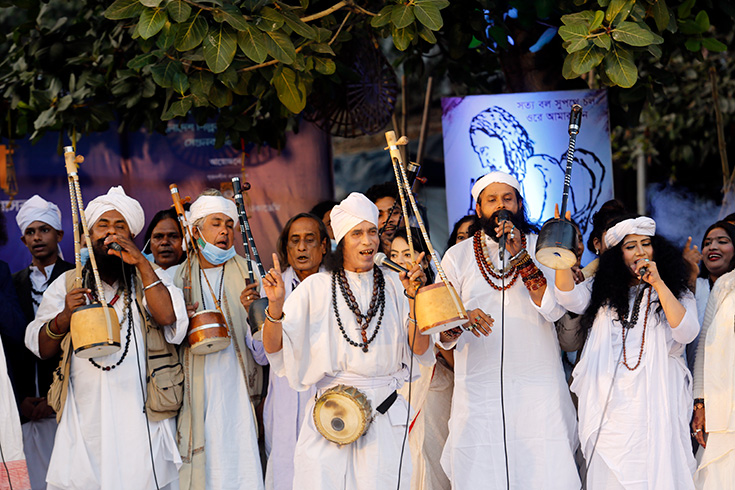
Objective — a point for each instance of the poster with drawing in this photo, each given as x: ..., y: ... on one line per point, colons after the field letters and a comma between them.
x: 527, y: 136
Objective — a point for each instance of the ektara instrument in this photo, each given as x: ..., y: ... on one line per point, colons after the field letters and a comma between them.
x: 208, y: 332
x: 557, y: 241
x: 342, y: 414
x: 95, y: 329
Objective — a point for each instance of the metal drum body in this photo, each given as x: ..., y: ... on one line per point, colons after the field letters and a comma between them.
x: 208, y: 332
x: 437, y: 308
x: 557, y: 243
x: 89, y: 334
x: 342, y: 414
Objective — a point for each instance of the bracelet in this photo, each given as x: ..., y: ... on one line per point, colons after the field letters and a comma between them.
x: 151, y: 285
x: 274, y: 320
x: 52, y: 335
x: 405, y: 293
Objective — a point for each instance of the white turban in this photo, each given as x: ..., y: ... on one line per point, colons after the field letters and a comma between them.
x: 38, y: 209
x: 494, y: 178
x: 117, y: 200
x: 642, y: 225
x: 206, y: 205
x: 355, y: 209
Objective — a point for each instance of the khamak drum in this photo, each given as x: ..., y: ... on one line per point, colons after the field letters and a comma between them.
x: 438, y: 308
x: 208, y: 332
x: 90, y: 336
x: 342, y: 414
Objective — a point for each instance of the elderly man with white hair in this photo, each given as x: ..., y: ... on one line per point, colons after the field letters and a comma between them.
x: 512, y: 422
x: 350, y: 330
x: 41, y: 231
x: 217, y: 432
x: 111, y: 435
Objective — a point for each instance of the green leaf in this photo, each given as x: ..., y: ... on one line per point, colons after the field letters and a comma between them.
x: 603, y: 41
x: 297, y: 25
x: 402, y: 16
x: 180, y: 83
x: 618, y: 10
x: 167, y: 36
x: 220, y: 96
x: 694, y: 45
x: 151, y: 22
x: 232, y: 15
x: 402, y: 37
x: 712, y: 44
x: 191, y: 33
x: 573, y: 32
x: 633, y: 34
x: 427, y: 14
x: 660, y: 14
x: 163, y: 73
x: 597, y: 21
x: 620, y: 68
x: 178, y: 109
x: 201, y: 82
x: 702, y: 21
x: 178, y: 10
x: 584, y: 17
x: 252, y: 43
x: 123, y: 9
x: 291, y: 92
x: 383, y: 17
x: 151, y: 3
x: 685, y: 9
x: 280, y: 47
x: 219, y: 45
x: 270, y: 20
x: 323, y: 48
x: 324, y: 66
x: 586, y: 59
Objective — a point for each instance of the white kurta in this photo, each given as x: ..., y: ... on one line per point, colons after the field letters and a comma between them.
x: 102, y: 439
x: 644, y: 441
x: 316, y: 354
x: 233, y: 460
x: 541, y: 431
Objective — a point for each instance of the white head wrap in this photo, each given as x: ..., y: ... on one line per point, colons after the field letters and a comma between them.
x: 206, y: 205
x: 38, y: 209
x: 355, y: 209
x: 493, y: 178
x: 117, y: 200
x: 642, y: 225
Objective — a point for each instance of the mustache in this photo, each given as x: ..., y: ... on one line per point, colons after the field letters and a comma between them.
x: 488, y: 224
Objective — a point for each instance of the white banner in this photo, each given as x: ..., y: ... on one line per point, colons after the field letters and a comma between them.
x: 527, y: 136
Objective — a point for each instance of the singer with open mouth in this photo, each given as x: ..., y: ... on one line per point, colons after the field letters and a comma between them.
x: 511, y: 409
x: 350, y: 333
x: 634, y: 388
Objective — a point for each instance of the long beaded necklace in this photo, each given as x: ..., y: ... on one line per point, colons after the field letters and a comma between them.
x: 628, y: 324
x: 127, y: 308
x: 487, y: 269
x: 363, y: 321
x: 221, y: 283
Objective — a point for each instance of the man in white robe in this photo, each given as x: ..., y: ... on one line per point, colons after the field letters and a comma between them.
x: 103, y: 436
x: 510, y: 395
x: 313, y: 346
x: 217, y: 432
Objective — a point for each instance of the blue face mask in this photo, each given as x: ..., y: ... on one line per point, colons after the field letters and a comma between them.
x: 215, y: 255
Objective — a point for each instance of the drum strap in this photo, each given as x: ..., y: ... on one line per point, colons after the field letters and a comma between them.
x: 387, y: 403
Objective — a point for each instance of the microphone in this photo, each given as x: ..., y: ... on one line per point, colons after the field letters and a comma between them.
x: 381, y: 259
x: 503, y: 215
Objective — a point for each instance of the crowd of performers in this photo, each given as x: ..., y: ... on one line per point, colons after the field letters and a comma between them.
x: 596, y: 377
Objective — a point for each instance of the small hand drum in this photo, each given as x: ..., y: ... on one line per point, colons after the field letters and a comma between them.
x: 208, y: 332
x: 342, y: 414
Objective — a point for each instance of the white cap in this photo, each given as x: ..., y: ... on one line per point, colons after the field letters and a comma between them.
x: 355, y: 209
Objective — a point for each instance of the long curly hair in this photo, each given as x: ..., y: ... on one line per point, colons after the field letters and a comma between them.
x: 613, y: 278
